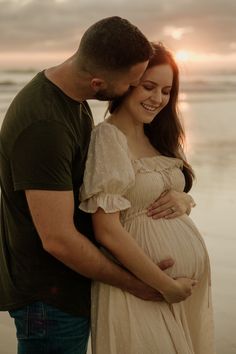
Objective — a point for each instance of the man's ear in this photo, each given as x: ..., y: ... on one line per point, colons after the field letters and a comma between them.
x: 97, y: 84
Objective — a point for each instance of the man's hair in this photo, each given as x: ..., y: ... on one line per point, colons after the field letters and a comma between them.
x: 113, y: 44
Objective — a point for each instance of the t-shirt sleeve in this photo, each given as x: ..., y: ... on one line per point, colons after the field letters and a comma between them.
x: 42, y: 157
x: 108, y: 173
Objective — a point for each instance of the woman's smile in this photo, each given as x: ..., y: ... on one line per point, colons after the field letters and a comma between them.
x: 149, y: 107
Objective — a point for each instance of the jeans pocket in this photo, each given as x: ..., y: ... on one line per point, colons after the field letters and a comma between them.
x: 20, y: 317
x: 30, y: 321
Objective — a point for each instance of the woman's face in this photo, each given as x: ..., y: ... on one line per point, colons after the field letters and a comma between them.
x: 151, y: 95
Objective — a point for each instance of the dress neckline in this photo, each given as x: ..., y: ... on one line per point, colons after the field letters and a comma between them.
x: 157, y: 156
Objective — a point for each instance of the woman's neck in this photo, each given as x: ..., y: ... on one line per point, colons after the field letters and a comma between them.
x: 138, y: 143
x: 127, y: 124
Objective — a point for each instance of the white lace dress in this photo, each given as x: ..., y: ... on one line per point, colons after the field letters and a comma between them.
x: 122, y: 323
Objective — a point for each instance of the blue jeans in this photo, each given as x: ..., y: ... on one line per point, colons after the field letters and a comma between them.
x: 44, y: 329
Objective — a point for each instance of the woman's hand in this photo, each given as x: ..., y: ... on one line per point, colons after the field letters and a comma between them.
x: 171, y: 204
x: 179, y: 290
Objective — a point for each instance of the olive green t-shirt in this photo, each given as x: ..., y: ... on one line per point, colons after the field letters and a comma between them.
x: 43, y: 145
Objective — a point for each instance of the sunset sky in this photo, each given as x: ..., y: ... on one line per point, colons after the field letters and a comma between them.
x: 37, y: 33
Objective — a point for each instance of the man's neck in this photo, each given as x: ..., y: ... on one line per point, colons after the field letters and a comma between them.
x: 72, y: 82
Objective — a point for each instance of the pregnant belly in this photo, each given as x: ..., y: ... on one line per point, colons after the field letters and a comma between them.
x: 176, y: 238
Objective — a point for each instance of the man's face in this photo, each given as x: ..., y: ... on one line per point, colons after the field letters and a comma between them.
x: 120, y: 86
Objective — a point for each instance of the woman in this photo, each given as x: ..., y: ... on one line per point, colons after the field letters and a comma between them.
x: 135, y: 155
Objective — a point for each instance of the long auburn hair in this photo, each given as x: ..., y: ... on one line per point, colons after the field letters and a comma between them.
x: 165, y: 132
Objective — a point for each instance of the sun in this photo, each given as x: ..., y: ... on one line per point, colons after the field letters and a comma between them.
x: 183, y: 56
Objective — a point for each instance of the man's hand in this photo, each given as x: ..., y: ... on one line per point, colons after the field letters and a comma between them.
x: 145, y: 292
x: 171, y: 204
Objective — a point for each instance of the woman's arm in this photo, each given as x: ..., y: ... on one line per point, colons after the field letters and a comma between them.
x: 110, y: 233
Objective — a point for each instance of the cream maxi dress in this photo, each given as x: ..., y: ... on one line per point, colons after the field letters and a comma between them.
x: 121, y: 322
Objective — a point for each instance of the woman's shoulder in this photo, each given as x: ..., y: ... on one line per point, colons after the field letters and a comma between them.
x: 110, y: 132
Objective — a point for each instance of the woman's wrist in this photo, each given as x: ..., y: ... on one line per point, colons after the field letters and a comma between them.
x: 165, y: 283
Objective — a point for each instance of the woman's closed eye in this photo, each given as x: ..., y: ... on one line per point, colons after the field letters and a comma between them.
x: 148, y: 87
x: 166, y: 93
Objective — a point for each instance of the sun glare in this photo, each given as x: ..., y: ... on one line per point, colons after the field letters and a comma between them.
x: 183, y: 56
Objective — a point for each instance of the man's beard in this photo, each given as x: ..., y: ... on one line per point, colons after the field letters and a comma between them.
x: 107, y: 95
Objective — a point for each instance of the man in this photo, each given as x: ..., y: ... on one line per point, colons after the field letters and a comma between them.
x: 46, y: 258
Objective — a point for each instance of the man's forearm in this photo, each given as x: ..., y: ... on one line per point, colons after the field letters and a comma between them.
x: 79, y: 254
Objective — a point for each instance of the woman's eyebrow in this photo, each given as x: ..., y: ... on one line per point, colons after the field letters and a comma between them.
x: 155, y: 83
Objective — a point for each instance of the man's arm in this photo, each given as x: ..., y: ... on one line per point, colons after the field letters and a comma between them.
x: 52, y: 214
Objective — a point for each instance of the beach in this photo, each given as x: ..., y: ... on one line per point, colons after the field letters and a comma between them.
x: 208, y: 106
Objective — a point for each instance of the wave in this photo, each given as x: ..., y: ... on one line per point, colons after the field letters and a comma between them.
x: 8, y: 83
x: 19, y: 71
x: 208, y: 86
x: 15, y: 79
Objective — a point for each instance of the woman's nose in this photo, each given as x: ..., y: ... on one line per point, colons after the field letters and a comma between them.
x: 157, y: 96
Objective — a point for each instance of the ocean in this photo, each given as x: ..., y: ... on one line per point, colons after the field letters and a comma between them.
x: 208, y: 111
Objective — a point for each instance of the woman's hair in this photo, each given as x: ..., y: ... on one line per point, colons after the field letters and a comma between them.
x: 165, y: 132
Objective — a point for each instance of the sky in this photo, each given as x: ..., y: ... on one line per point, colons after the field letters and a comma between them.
x: 37, y: 33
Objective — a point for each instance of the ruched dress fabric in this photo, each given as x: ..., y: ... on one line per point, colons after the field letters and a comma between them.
x: 121, y: 322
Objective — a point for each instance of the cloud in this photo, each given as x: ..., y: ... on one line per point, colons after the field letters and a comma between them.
x: 57, y: 25
x: 176, y: 32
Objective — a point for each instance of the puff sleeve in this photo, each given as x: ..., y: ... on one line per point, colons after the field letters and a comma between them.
x: 108, y: 173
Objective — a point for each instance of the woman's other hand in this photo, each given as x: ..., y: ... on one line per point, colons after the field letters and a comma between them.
x: 171, y: 204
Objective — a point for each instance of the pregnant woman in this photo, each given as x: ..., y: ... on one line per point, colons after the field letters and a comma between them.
x: 135, y: 156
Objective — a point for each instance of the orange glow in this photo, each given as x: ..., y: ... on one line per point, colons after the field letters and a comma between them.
x: 32, y: 59
x: 183, y: 55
